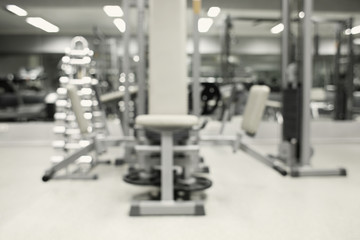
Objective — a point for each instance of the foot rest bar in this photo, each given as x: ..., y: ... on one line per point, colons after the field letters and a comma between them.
x: 161, y: 208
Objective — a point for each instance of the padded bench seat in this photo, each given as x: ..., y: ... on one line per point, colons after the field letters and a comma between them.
x: 167, y: 122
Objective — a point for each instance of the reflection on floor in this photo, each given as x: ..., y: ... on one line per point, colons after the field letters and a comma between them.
x: 247, y: 201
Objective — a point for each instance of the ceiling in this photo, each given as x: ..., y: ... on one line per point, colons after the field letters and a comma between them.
x: 79, y: 17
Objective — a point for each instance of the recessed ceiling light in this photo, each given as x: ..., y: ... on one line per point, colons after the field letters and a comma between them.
x: 113, y: 11
x: 16, y: 10
x: 136, y: 58
x: 277, y: 29
x: 301, y: 14
x: 120, y: 24
x: 213, y: 12
x: 204, y: 24
x: 42, y: 24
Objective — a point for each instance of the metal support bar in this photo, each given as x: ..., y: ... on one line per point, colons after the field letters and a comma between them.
x: 126, y: 67
x: 67, y: 161
x: 313, y: 172
x: 151, y: 208
x: 141, y: 96
x: 113, y: 141
x: 285, y: 41
x: 196, y: 62
x: 350, y: 74
x: 339, y: 106
x: 167, y: 162
x: 264, y: 159
x: 307, y: 74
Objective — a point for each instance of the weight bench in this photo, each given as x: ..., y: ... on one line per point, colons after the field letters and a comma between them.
x: 253, y: 113
x: 168, y: 114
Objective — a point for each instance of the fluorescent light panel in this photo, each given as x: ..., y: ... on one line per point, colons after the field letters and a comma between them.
x: 120, y: 24
x: 42, y: 24
x: 354, y: 30
x: 204, y: 24
x: 213, y: 12
x: 16, y: 10
x: 113, y: 11
x: 277, y: 29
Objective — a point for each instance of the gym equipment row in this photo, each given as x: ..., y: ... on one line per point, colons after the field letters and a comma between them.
x: 163, y: 148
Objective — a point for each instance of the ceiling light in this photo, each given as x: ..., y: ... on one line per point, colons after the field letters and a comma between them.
x: 204, y: 24
x: 301, y: 14
x: 42, y: 24
x: 213, y: 12
x: 113, y: 11
x: 16, y: 10
x: 120, y: 24
x: 136, y: 58
x: 277, y: 29
x: 355, y: 30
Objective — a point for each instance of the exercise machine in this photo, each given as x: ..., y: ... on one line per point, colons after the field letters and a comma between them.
x: 172, y: 165
x: 295, y: 151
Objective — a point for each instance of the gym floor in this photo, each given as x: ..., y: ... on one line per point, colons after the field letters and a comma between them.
x: 247, y: 200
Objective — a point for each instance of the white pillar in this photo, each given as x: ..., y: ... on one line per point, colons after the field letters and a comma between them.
x: 167, y: 56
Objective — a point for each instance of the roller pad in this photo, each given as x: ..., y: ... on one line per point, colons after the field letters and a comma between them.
x: 77, y: 108
x: 254, y: 108
x: 167, y: 121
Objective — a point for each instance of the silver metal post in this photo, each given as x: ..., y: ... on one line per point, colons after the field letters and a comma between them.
x: 337, y: 83
x: 306, y: 82
x: 114, y: 62
x: 285, y: 41
x: 167, y: 178
x: 126, y: 67
x: 196, y: 62
x: 141, y: 96
x: 350, y: 74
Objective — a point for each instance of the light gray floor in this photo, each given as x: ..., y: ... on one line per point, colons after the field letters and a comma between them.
x: 247, y: 201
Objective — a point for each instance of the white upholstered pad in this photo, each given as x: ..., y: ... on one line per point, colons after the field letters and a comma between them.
x: 254, y: 108
x: 167, y: 57
x: 112, y: 96
x: 165, y: 122
x: 77, y: 108
x: 117, y: 95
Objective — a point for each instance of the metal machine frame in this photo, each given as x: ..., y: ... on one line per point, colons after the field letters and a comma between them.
x: 167, y: 204
x: 295, y: 151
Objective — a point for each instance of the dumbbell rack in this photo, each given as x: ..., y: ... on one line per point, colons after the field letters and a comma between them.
x: 76, y: 64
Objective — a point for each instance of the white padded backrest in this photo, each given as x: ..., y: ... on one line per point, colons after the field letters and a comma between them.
x: 254, y: 108
x: 77, y: 108
x: 318, y: 94
x: 167, y: 55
